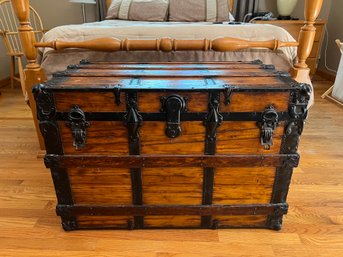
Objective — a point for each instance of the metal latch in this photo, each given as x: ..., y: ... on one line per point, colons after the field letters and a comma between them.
x: 173, y: 105
x: 78, y: 124
x: 270, y: 120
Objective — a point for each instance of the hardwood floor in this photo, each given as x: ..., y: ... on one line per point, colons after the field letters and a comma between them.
x: 313, y: 227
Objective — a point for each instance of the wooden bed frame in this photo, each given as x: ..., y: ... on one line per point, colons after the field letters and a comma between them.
x: 35, y: 74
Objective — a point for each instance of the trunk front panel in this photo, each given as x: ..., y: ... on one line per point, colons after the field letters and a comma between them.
x: 171, y: 145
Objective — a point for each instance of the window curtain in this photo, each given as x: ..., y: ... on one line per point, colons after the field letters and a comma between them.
x: 244, y: 7
x: 100, y: 10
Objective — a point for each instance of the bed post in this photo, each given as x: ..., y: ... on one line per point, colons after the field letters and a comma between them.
x: 231, y: 5
x: 33, y: 72
x: 301, y: 72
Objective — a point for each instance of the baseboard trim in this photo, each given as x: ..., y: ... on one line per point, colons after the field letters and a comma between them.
x: 5, y: 82
x: 326, y: 75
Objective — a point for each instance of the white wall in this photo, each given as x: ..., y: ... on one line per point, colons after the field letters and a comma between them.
x: 62, y: 12
x: 335, y: 29
x: 267, y: 6
x: 53, y: 13
x: 299, y: 9
x: 270, y: 5
x: 4, y: 63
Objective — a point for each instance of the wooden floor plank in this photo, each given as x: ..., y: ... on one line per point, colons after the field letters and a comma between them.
x: 30, y: 227
x: 184, y: 248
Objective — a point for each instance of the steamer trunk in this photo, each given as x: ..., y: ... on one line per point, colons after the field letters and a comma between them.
x: 171, y: 145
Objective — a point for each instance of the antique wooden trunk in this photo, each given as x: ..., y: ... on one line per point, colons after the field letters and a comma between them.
x: 171, y: 145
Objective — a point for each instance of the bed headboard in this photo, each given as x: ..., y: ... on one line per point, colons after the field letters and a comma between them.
x: 231, y: 3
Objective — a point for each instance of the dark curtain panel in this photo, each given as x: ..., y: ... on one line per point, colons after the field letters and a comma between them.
x: 243, y: 7
x: 100, y: 10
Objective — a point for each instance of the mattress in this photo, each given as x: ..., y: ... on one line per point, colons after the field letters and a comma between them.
x: 53, y: 61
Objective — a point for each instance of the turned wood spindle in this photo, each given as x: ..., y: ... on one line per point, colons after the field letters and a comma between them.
x: 33, y: 72
x: 27, y: 36
x: 308, y: 32
x: 167, y: 44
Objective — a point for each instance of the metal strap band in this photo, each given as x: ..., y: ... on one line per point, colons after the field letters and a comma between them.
x: 46, y: 113
x: 187, y: 116
x: 298, y: 102
x: 133, y: 121
x: 212, y: 122
x: 178, y: 210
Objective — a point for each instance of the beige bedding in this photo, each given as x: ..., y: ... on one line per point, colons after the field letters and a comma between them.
x: 53, y: 61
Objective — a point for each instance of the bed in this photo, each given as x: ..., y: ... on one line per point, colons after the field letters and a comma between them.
x: 171, y: 41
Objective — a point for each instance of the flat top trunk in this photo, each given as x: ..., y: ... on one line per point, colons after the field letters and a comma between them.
x: 244, y: 76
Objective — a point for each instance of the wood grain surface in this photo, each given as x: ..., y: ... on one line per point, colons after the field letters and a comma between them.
x: 89, y: 102
x: 86, y: 82
x: 172, y: 221
x: 172, y: 186
x: 103, y: 137
x: 252, y: 102
x: 191, y: 141
x: 244, y: 137
x: 93, y: 222
x: 151, y: 102
x: 100, y: 186
x: 312, y: 228
x: 110, y: 137
x: 243, y: 185
x: 240, y: 221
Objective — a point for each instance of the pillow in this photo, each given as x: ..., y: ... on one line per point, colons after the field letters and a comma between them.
x: 199, y: 10
x: 138, y: 10
x: 113, y: 10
